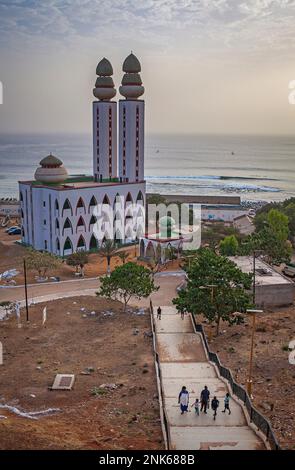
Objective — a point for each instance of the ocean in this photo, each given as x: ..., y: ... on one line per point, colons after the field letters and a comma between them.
x: 253, y: 167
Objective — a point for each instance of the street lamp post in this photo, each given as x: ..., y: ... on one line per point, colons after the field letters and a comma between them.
x: 249, y: 380
x: 26, y: 290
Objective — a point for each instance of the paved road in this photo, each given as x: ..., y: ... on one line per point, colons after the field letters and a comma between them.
x: 183, y: 362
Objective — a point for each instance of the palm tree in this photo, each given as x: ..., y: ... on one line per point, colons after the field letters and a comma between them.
x: 107, y: 250
x: 123, y: 256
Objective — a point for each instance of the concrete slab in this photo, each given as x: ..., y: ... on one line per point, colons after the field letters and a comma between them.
x: 187, y: 370
x: 214, y: 438
x: 170, y: 324
x: 184, y: 346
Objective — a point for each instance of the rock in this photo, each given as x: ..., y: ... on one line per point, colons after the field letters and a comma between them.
x: 108, y: 386
x: 38, y: 367
x: 32, y: 395
x: 90, y: 369
x: 84, y: 316
x: 135, y: 331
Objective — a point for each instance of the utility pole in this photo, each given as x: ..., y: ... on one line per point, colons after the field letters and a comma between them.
x: 26, y: 290
x: 249, y: 380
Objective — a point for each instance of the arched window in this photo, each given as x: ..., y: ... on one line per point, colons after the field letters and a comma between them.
x: 93, y: 203
x: 80, y: 223
x: 56, y: 223
x: 80, y: 205
x: 93, y: 245
x: 68, y: 245
x: 56, y: 205
x: 23, y: 232
x: 22, y: 213
x: 93, y: 221
x: 57, y: 245
x: 128, y: 199
x: 67, y: 206
x: 67, y: 225
x: 117, y: 201
x: 81, y: 243
x: 21, y: 196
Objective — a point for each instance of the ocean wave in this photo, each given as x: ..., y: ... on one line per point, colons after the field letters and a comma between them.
x: 210, y: 177
x: 233, y: 187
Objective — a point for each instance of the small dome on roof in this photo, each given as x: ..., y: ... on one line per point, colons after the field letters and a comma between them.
x: 104, y: 68
x: 51, y: 160
x: 131, y: 64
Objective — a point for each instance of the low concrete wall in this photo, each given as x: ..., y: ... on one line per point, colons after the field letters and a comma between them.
x: 276, y: 295
x: 235, y: 200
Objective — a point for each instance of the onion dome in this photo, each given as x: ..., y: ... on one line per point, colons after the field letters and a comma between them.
x: 51, y: 170
x: 131, y: 82
x: 131, y: 64
x: 104, y: 86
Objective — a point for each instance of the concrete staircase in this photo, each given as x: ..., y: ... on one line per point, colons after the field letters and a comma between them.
x: 183, y: 361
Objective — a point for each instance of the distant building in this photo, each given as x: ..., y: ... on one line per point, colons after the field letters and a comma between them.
x: 222, y: 212
x: 272, y: 289
x: 244, y: 224
x: 63, y: 214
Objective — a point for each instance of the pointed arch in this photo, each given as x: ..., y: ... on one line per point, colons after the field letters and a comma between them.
x: 56, y: 205
x: 106, y: 200
x: 150, y: 251
x: 81, y: 245
x: 93, y: 244
x: 117, y: 202
x: 128, y: 199
x: 142, y: 248
x: 92, y: 203
x: 67, y: 206
x: 57, y: 245
x: 56, y: 224
x: 67, y: 224
x: 118, y: 236
x: 93, y: 220
x: 81, y: 223
x: 68, y: 246
x: 139, y: 197
x: 80, y: 205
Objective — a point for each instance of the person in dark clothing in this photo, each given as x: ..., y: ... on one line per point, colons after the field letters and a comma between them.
x: 159, y: 313
x: 226, y: 404
x: 205, y: 396
x: 214, y: 406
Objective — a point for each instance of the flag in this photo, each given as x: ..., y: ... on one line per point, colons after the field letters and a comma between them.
x: 44, y: 315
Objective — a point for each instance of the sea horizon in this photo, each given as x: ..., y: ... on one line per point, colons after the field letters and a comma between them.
x: 253, y: 166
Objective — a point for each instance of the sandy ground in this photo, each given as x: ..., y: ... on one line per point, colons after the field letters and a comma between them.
x: 124, y: 418
x: 273, y: 375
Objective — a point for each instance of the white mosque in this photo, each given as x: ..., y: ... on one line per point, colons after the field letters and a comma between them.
x: 63, y: 214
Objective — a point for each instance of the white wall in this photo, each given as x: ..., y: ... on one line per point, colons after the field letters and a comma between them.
x: 130, y: 139
x: 101, y: 144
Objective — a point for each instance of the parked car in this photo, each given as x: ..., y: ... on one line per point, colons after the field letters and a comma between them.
x: 289, y: 270
x: 11, y: 228
x: 15, y: 231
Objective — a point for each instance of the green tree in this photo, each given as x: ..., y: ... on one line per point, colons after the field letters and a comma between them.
x: 107, y: 250
x: 123, y: 256
x: 79, y: 260
x: 229, y: 246
x: 42, y: 262
x: 230, y: 293
x: 126, y: 281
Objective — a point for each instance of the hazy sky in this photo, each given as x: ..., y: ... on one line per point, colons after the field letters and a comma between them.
x: 217, y: 66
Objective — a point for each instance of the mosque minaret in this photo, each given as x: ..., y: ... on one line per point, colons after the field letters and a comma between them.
x: 131, y: 122
x: 105, y: 157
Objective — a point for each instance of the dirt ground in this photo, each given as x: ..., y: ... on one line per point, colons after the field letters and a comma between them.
x: 71, y: 341
x: 273, y: 375
x: 12, y: 255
